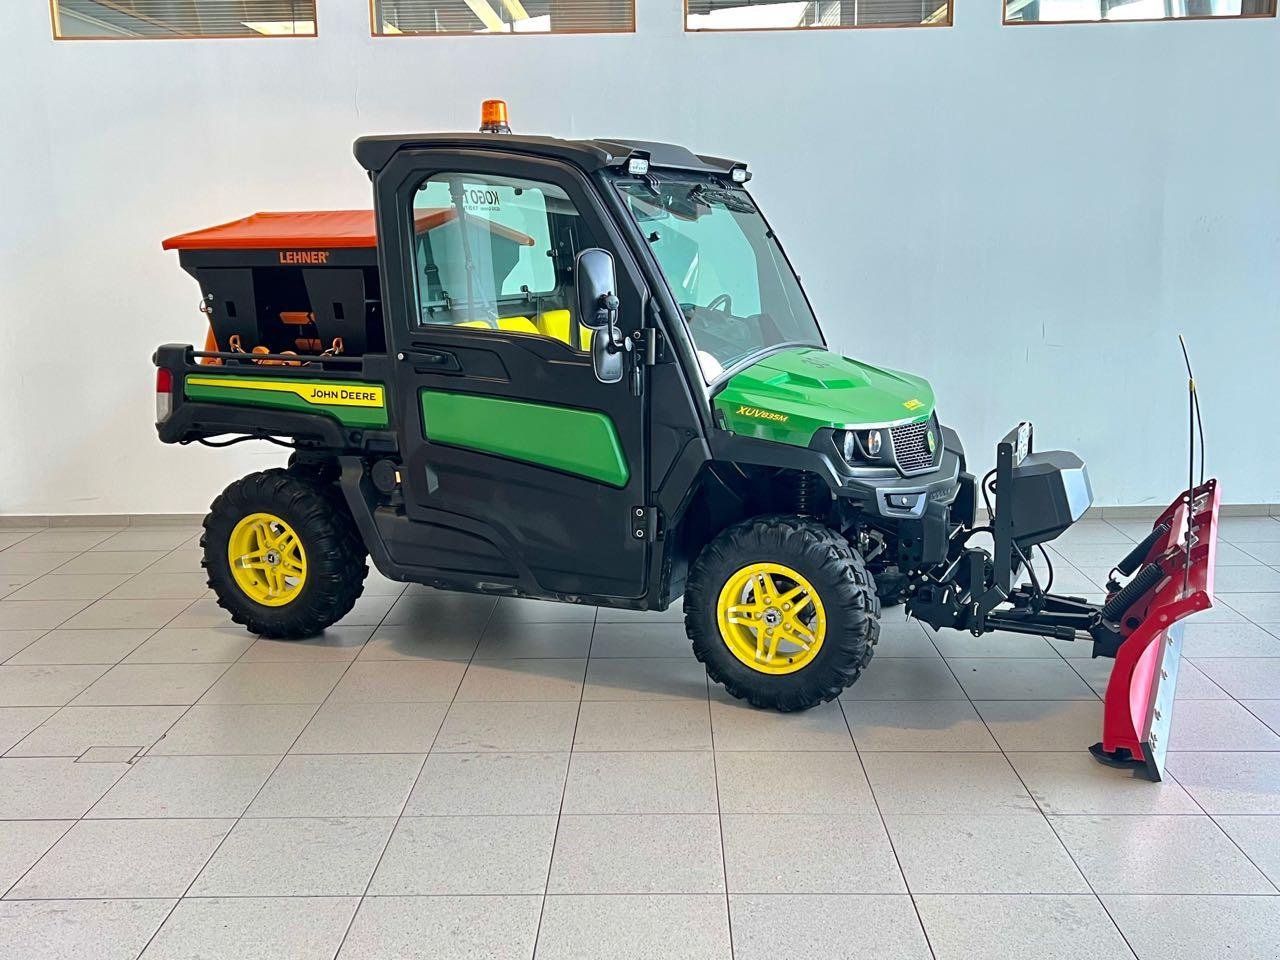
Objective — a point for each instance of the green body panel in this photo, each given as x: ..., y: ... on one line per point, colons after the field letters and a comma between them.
x: 289, y: 393
x: 582, y: 442
x: 791, y: 395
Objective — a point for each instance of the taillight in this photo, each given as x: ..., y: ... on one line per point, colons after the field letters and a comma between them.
x: 164, y: 393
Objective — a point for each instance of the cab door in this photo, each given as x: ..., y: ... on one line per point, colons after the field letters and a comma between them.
x: 519, y: 467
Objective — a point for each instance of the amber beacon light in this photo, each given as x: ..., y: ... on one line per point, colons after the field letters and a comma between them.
x: 493, y: 117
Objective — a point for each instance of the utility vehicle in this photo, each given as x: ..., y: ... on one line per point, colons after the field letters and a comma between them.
x: 585, y: 371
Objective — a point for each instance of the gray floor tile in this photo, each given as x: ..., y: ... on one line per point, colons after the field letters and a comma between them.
x: 73, y: 730
x: 22, y: 843
x: 72, y: 540
x: 1162, y: 854
x: 1268, y: 711
x: 507, y: 727
x: 148, y: 538
x: 12, y: 582
x: 635, y: 927
x: 74, y: 929
x: 1198, y: 928
x: 82, y: 586
x: 295, y: 858
x: 982, y: 853
x: 126, y: 562
x: 1061, y: 927
x: 38, y: 614
x: 373, y: 611
x: 1258, y: 607
x: 1268, y: 553
x: 190, y: 585
x: 151, y: 684
x: 506, y: 640
x: 101, y: 754
x: 1192, y: 685
x: 945, y: 783
x: 123, y: 858
x: 372, y: 728
x: 235, y: 730
x: 335, y: 644
x: 485, y: 784
x: 673, y: 614
x: 737, y: 725
x: 774, y: 851
x: 81, y: 646
x: 516, y: 610
x: 17, y: 722
x: 275, y: 683
x: 1219, y: 725
x: 645, y: 678
x: 181, y: 560
x: 1042, y: 724
x: 253, y: 928
x: 524, y: 679
x: 1093, y: 531
x: 960, y: 645
x: 194, y: 645
x: 382, y: 681
x: 1245, y: 678
x: 905, y: 678
x: 1075, y: 783
x: 185, y: 787
x: 1020, y: 679
x: 444, y: 928
x: 1249, y: 529
x: 202, y: 613
x: 1254, y: 579
x: 639, y: 782
x: 13, y: 642
x: 905, y: 638
x: 640, y: 639
x: 822, y: 925
x: 45, y: 686
x: 1259, y: 838
x: 641, y: 853
x: 111, y: 614
x: 643, y: 725
x: 426, y: 607
x: 353, y: 785
x: 11, y: 537
x: 406, y: 642
x: 1228, y: 640
x: 911, y: 725
x: 466, y: 855
x: 1230, y: 782
x: 52, y: 787
x: 811, y: 782
x: 32, y: 564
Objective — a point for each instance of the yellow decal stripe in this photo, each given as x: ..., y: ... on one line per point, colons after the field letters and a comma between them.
x: 321, y: 394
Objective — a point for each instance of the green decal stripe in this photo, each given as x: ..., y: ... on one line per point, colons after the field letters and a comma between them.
x: 582, y: 442
x: 350, y: 416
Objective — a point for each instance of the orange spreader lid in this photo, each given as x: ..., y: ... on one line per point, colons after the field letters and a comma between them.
x: 323, y: 229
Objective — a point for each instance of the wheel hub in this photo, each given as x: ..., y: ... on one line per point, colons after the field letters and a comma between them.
x: 771, y: 618
x: 267, y: 559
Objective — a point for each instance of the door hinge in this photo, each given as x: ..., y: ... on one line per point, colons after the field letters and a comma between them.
x: 645, y: 523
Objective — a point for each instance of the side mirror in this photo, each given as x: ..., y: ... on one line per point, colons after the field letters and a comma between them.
x: 595, y: 284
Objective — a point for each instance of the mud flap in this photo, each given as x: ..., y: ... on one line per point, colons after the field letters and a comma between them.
x: 1138, y: 708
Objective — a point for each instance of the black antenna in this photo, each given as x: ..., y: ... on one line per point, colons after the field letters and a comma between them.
x: 1195, y: 431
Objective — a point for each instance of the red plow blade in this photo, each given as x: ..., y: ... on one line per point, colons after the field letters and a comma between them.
x: 1139, y: 703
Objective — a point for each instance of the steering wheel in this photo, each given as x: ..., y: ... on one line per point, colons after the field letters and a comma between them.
x: 723, y: 303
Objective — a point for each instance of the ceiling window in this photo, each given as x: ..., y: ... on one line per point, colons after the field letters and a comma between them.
x: 181, y: 19
x: 395, y: 17
x: 814, y: 14
x: 1099, y: 11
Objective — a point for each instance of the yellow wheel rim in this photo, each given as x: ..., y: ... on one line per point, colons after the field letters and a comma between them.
x: 771, y: 618
x: 267, y: 559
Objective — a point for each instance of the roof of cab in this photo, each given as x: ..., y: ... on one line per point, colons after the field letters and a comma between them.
x: 373, y: 153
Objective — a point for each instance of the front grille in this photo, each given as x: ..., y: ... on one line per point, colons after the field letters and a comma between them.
x: 911, y: 446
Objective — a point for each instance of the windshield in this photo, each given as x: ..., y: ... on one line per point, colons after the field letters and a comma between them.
x: 728, y: 274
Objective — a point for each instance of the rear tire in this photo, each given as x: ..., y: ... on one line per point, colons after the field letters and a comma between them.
x: 843, y: 623
x: 323, y: 568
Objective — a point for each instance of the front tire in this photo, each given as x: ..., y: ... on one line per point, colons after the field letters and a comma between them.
x: 782, y: 612
x: 282, y: 556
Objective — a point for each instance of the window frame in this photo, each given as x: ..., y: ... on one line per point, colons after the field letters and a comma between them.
x: 55, y: 26
x: 1005, y: 21
x: 419, y: 34
x: 950, y: 21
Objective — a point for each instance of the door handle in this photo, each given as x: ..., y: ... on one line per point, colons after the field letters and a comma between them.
x: 430, y: 361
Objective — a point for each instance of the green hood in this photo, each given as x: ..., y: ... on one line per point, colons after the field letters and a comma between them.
x: 791, y: 395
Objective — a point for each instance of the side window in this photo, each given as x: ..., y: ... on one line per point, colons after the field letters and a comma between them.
x: 496, y: 253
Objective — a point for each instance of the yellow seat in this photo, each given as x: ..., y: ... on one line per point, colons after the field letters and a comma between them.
x: 510, y: 324
x: 557, y: 324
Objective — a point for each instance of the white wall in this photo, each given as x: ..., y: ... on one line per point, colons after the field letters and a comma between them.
x: 1027, y: 216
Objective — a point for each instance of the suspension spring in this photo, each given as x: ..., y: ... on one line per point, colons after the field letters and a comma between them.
x: 809, y: 494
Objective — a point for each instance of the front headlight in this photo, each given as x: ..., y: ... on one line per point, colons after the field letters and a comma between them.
x: 859, y: 446
x: 874, y: 442
x: 849, y: 446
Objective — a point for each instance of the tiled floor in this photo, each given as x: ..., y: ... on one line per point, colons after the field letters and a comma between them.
x: 446, y: 776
